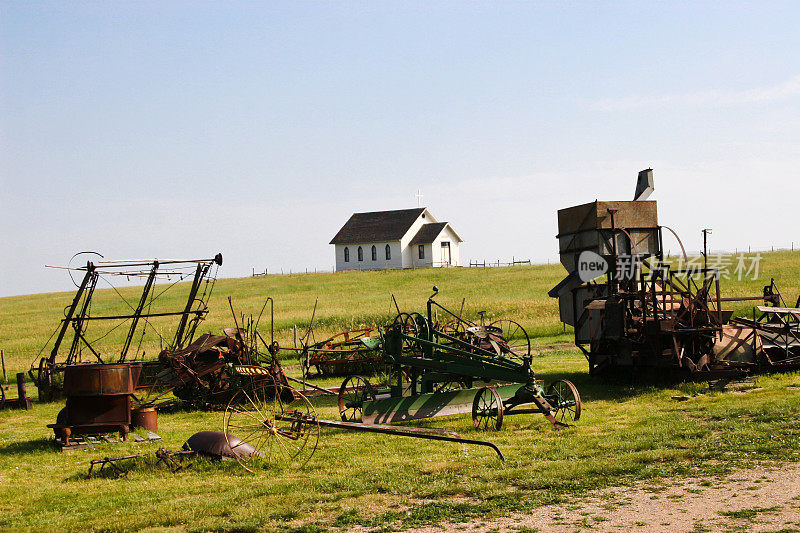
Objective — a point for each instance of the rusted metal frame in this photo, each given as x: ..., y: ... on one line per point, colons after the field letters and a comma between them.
x: 586, y: 352
x: 90, y: 278
x: 719, y: 303
x: 199, y: 274
x: 432, y: 302
x: 740, y: 298
x: 168, y: 458
x: 270, y: 301
x: 111, y: 461
x: 305, y: 383
x: 78, y: 322
x: 145, y: 262
x: 137, y: 313
x: 678, y: 283
x: 347, y: 348
x: 701, y: 300
x: 146, y: 315
x: 613, y: 268
x: 703, y: 304
x: 786, y: 330
x: 346, y: 361
x: 654, y: 297
x: 79, y: 334
x: 273, y: 357
x: 406, y: 432
x: 200, y: 313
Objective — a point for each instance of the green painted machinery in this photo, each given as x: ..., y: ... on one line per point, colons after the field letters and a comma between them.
x: 435, y: 373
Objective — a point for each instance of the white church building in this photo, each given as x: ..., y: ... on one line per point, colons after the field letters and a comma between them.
x: 406, y: 238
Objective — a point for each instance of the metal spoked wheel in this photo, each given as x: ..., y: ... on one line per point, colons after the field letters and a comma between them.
x: 487, y: 409
x: 415, y: 325
x: 454, y: 328
x: 277, y: 421
x: 563, y: 396
x: 517, y: 343
x: 355, y: 390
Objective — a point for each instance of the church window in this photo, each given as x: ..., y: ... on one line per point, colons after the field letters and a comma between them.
x: 388, y: 252
x: 346, y: 254
x: 360, y: 254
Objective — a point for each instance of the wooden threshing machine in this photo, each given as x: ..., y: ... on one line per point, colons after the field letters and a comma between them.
x: 632, y: 310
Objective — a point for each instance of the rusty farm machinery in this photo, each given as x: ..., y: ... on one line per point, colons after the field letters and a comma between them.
x: 74, y: 329
x: 435, y: 372
x: 109, y: 383
x: 632, y: 310
x: 357, y: 351
x: 343, y: 353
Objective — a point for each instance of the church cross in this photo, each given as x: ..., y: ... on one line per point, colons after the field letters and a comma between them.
x: 419, y: 198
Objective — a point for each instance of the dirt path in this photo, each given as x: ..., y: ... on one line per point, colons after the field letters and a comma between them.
x: 764, y: 499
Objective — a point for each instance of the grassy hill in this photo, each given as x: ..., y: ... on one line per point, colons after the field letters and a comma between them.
x: 628, y: 431
x: 346, y: 300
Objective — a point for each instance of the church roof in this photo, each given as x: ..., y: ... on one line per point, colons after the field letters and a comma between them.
x: 428, y: 233
x: 377, y: 226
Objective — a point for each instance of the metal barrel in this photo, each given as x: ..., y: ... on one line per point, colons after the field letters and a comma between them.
x: 98, y: 380
x: 145, y: 417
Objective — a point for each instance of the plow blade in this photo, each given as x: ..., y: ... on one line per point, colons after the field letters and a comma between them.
x: 384, y: 411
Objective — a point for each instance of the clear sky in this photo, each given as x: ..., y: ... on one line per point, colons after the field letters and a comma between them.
x: 172, y: 129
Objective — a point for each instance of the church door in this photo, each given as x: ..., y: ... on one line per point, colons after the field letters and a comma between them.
x: 445, y: 253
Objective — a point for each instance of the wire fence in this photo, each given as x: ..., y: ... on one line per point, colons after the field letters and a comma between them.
x: 486, y: 264
x: 474, y: 263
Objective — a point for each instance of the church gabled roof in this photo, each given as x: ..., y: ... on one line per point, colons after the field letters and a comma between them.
x: 428, y: 233
x: 377, y: 226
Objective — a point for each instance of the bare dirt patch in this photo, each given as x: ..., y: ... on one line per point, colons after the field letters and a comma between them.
x: 759, y: 500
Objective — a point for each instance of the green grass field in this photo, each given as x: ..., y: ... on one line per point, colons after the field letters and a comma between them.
x: 627, y: 432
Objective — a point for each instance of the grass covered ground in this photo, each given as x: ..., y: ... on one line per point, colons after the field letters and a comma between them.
x: 627, y: 432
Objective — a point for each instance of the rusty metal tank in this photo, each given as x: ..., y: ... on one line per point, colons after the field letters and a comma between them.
x: 98, y: 380
x: 98, y: 400
x: 145, y: 417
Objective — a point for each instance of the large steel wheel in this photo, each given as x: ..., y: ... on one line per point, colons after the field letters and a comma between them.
x: 408, y: 326
x: 565, y: 400
x: 355, y: 390
x: 487, y: 409
x: 416, y: 326
x: 278, y: 422
x: 516, y: 343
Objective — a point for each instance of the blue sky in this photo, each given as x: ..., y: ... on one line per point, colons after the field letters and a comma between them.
x: 171, y: 129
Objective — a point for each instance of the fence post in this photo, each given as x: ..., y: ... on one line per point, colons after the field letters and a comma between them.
x: 22, y: 391
x: 3, y: 359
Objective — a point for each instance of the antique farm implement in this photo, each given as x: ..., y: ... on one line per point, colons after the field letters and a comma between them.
x: 344, y: 353
x: 275, y: 425
x: 434, y: 373
x: 633, y: 312
x: 118, y: 337
x: 204, y: 373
